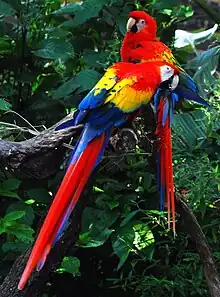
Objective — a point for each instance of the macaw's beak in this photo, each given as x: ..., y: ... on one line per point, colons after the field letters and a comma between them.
x: 131, y: 25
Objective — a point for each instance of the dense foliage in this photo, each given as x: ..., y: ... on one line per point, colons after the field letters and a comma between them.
x: 48, y: 61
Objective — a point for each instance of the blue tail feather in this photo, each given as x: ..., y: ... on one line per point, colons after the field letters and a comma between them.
x: 187, y: 80
x: 65, y: 223
x: 191, y: 96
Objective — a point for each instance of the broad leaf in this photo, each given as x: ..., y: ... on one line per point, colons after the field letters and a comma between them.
x: 144, y: 238
x: 7, y: 193
x: 6, y: 9
x: 147, y: 181
x: 22, y: 232
x: 11, y: 184
x: 71, y: 8
x: 4, y: 105
x: 16, y: 247
x: 54, y: 49
x: 39, y: 195
x: 122, y: 243
x: 94, y: 59
x: 65, y: 89
x: 86, y: 78
x: 190, y: 130
x: 95, y: 227
x: 16, y: 4
x: 28, y: 218
x: 96, y: 218
x: 205, y: 65
x: 94, y: 238
x: 129, y: 217
x: 14, y: 215
x: 89, y: 9
x: 71, y: 265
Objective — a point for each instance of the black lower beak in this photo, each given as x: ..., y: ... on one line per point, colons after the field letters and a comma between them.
x: 134, y: 28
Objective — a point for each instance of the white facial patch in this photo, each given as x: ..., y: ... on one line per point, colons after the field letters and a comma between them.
x: 140, y: 25
x: 166, y: 72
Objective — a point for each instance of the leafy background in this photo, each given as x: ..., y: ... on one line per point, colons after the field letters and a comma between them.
x: 50, y: 56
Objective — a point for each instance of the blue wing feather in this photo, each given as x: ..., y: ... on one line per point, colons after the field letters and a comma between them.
x: 191, y: 96
x: 188, y: 82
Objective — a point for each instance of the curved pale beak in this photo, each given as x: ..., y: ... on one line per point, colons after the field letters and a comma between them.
x: 131, y: 22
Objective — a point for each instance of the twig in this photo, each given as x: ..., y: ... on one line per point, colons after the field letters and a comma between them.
x: 33, y: 156
x: 20, y: 116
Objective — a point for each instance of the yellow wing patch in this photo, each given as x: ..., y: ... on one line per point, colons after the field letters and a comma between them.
x: 122, y: 93
x: 127, y: 98
x: 106, y: 82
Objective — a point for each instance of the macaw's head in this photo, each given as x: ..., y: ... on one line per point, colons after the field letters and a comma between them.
x: 169, y: 72
x: 140, y: 21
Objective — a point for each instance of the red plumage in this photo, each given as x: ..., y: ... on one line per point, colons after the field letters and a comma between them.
x: 68, y: 194
x: 141, y: 46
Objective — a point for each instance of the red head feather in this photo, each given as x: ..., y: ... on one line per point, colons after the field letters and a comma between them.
x: 150, y: 21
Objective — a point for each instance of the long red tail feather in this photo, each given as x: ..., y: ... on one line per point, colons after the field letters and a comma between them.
x: 69, y: 192
x: 166, y: 167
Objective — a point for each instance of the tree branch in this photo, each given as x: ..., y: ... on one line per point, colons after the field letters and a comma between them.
x: 193, y: 228
x: 36, y: 284
x: 209, y: 10
x: 40, y: 156
x: 18, y: 155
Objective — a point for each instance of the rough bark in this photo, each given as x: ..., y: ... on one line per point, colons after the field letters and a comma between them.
x: 36, y: 284
x: 193, y: 228
x: 40, y: 156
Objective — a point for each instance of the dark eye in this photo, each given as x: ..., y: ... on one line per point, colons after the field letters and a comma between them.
x: 142, y: 21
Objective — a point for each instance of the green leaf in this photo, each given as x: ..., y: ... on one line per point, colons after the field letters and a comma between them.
x: 100, y: 219
x: 122, y: 243
x: 6, y: 193
x: 71, y: 265
x: 16, y: 4
x: 129, y: 217
x: 2, y: 226
x: 71, y: 8
x: 86, y: 78
x: 93, y: 239
x: 95, y: 227
x: 147, y: 181
x: 65, y: 89
x: 14, y: 215
x: 144, y: 238
x: 16, y: 247
x: 205, y: 65
x: 11, y: 184
x: 189, y: 128
x: 22, y: 232
x: 39, y: 195
x: 4, y: 105
x: 89, y: 9
x: 6, y: 9
x: 121, y: 23
x: 28, y: 218
x: 163, y: 4
x: 95, y: 59
x: 54, y: 49
x: 203, y: 58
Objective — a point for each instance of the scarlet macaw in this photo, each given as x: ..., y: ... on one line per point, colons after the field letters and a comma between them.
x: 140, y: 45
x: 123, y: 89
